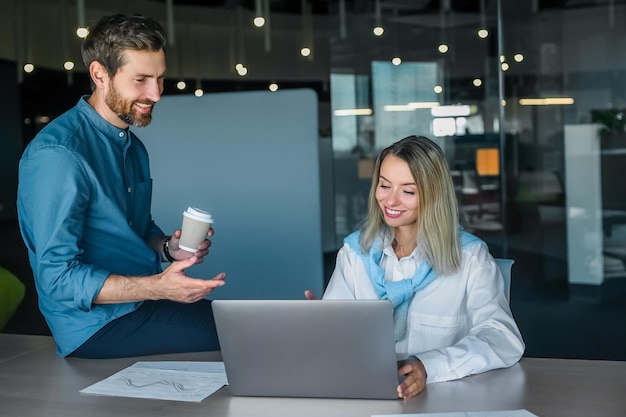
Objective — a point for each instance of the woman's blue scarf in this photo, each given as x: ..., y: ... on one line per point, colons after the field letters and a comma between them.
x: 399, y: 293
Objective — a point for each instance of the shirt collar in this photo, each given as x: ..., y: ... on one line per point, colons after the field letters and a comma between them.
x: 388, y: 250
x: 106, y: 128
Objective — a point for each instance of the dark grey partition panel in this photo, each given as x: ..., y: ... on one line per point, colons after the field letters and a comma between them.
x: 10, y: 140
x: 251, y: 159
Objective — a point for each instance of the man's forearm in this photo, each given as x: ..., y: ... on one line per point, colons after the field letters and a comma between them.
x: 121, y: 289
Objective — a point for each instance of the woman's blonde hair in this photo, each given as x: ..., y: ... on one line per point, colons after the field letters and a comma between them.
x: 438, y: 217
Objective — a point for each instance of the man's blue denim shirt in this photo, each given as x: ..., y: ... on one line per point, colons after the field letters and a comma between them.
x: 83, y: 204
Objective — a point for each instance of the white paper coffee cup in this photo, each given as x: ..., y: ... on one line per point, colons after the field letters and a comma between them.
x: 196, y: 225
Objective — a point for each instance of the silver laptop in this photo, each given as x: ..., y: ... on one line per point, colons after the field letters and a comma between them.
x: 308, y: 348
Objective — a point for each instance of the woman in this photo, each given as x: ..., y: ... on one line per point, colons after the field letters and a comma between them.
x: 451, y: 316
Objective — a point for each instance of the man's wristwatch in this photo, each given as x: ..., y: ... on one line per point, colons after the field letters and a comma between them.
x: 166, y: 250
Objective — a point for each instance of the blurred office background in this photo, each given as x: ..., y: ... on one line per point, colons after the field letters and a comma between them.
x: 527, y: 98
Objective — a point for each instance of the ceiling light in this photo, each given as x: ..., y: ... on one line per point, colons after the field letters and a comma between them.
x: 443, y: 48
x: 483, y: 33
x: 453, y: 111
x: 398, y: 107
x: 82, y: 32
x: 353, y: 112
x: 548, y: 101
x: 259, y: 20
x: 378, y: 29
x: 424, y: 104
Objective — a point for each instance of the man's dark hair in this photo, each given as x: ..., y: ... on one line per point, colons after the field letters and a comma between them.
x: 110, y: 36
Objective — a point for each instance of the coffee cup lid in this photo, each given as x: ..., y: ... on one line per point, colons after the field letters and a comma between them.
x: 198, y: 214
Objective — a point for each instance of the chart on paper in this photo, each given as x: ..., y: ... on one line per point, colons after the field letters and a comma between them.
x: 175, y: 381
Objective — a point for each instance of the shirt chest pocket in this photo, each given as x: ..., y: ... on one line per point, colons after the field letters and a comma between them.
x: 434, y: 331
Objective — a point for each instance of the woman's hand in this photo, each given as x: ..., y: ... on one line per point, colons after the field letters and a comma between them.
x: 308, y: 294
x: 415, y: 377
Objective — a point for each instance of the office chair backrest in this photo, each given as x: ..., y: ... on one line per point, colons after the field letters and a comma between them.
x: 505, y: 268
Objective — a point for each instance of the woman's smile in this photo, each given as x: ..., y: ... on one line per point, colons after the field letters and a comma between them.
x: 394, y: 214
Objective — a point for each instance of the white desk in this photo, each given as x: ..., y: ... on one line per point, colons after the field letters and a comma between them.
x: 39, y: 383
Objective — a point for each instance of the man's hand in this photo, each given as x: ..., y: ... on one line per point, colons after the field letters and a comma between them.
x: 308, y: 294
x: 415, y: 377
x: 181, y: 254
x: 171, y: 284
x: 175, y: 285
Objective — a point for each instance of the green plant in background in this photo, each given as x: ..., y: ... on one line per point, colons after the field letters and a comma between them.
x: 11, y: 295
x: 612, y: 120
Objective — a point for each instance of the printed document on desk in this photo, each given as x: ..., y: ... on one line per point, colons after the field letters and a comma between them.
x: 503, y: 413
x: 169, y: 380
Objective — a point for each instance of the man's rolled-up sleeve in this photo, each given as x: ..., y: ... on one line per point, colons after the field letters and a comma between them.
x: 53, y: 196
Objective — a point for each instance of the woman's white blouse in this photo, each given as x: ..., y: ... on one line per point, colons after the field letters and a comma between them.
x: 458, y: 325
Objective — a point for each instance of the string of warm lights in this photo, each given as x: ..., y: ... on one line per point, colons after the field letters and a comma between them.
x: 261, y: 21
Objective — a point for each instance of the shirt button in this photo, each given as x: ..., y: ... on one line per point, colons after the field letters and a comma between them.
x: 129, y: 189
x: 121, y: 134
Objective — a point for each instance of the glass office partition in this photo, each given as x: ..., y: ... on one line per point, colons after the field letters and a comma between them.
x: 434, y: 75
x: 527, y: 99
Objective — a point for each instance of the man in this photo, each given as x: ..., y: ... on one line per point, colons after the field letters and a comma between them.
x: 83, y: 204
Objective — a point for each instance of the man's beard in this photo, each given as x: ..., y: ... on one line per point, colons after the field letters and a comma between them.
x: 125, y: 110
